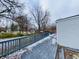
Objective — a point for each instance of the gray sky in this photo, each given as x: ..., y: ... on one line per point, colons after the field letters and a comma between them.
x: 62, y: 8
x: 58, y: 8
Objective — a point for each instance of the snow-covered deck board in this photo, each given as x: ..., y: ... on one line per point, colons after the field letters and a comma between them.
x: 44, y: 50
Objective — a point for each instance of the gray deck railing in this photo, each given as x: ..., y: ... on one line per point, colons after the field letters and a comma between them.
x: 9, y: 46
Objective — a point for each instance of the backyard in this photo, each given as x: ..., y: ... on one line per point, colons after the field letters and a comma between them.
x: 22, y: 25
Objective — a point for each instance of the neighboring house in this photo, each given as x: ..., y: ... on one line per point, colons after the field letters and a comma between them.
x: 51, y: 29
x: 31, y: 29
x: 5, y: 24
x: 68, y: 31
x: 2, y: 29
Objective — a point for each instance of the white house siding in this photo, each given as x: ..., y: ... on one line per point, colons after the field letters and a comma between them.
x: 68, y: 32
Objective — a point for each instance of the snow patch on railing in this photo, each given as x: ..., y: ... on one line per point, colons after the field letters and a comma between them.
x: 41, y: 41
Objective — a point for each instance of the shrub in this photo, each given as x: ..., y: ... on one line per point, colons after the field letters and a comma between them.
x: 11, y: 35
x: 7, y: 35
x: 19, y: 34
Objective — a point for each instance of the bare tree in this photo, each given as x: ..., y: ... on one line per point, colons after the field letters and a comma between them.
x: 7, y: 7
x: 45, y: 20
x: 14, y: 27
x: 22, y: 22
x: 41, y: 17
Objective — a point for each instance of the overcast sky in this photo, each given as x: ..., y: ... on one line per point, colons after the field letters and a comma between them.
x: 59, y: 8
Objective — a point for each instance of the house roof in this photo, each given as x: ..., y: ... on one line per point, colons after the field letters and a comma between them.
x: 7, y: 22
x: 67, y: 18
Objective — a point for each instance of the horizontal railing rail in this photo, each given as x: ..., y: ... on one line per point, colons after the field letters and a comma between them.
x: 9, y: 46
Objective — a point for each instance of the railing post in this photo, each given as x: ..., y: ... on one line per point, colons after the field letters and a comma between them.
x: 5, y: 49
x: 19, y: 44
x: 8, y: 47
x: 2, y: 48
x: 62, y: 53
x: 55, y: 48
